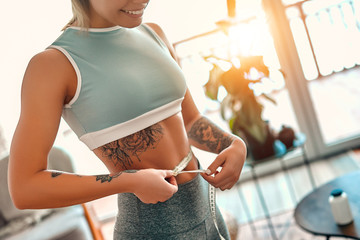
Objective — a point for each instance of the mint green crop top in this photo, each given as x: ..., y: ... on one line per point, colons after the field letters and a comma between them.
x: 126, y: 81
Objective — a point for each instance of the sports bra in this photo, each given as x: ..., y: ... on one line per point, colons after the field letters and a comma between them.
x: 127, y: 80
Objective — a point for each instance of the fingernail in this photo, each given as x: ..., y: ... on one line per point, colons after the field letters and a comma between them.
x: 208, y: 171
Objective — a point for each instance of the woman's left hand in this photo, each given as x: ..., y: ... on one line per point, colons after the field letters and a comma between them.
x: 231, y: 160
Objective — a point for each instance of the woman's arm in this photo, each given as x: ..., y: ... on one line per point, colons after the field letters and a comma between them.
x: 205, y: 135
x: 47, y: 85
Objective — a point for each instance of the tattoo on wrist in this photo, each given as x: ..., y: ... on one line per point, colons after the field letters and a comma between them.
x: 55, y: 174
x: 124, y: 150
x: 108, y: 177
x: 207, y: 133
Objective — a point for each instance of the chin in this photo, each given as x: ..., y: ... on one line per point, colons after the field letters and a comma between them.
x: 131, y: 25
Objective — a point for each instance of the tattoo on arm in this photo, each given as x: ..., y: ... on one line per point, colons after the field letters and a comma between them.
x: 102, y: 178
x: 55, y: 174
x: 108, y: 178
x: 205, y: 132
x: 122, y: 151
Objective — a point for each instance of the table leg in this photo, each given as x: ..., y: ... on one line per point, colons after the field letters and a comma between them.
x: 263, y: 204
x: 307, y: 164
x: 247, y: 212
x: 288, y: 181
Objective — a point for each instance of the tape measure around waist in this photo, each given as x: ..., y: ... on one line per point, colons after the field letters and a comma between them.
x: 182, y: 165
x: 212, y: 192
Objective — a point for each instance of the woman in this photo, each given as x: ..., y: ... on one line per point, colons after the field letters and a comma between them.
x: 119, y: 88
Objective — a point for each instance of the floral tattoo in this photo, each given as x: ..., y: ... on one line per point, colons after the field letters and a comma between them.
x: 205, y: 132
x: 123, y: 151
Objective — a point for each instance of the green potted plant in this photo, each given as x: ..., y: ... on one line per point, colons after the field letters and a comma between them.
x: 241, y: 108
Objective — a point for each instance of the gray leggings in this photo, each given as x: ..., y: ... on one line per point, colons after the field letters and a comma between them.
x: 184, y: 216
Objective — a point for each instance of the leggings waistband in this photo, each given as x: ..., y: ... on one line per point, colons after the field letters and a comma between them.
x: 187, y: 208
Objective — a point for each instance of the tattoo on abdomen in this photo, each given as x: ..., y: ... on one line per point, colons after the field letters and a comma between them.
x: 108, y: 178
x: 122, y: 151
x: 205, y: 132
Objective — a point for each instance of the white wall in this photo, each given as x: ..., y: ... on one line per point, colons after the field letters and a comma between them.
x: 27, y: 27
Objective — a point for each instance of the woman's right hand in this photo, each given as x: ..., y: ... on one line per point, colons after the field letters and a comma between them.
x: 153, y: 186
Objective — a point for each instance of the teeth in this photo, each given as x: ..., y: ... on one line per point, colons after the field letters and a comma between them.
x: 134, y: 12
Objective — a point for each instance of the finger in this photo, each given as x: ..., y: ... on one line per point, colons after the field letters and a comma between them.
x: 173, y: 184
x: 218, y: 179
x: 227, y: 186
x: 223, y: 188
x: 226, y: 183
x: 169, y: 173
x: 211, y: 181
x: 172, y: 180
x: 213, y: 178
x: 208, y: 178
x: 218, y: 162
x: 149, y: 201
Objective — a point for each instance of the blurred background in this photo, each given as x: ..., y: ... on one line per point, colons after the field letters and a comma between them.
x: 310, y: 48
x: 302, y: 59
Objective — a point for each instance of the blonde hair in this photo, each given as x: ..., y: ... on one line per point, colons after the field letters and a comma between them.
x: 80, y: 9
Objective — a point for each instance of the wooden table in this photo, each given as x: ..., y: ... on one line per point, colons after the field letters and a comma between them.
x: 313, y: 212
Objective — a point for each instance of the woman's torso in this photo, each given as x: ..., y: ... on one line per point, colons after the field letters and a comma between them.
x: 163, y: 143
x: 160, y: 146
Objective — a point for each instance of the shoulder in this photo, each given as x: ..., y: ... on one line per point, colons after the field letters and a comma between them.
x: 49, y: 61
x: 161, y: 34
x: 49, y: 57
x: 157, y: 29
x: 51, y: 69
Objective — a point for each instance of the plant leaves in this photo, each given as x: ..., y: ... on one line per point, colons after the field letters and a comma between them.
x: 241, y: 101
x: 234, y: 81
x: 212, y: 86
x: 256, y: 62
x: 225, y: 105
x: 269, y: 98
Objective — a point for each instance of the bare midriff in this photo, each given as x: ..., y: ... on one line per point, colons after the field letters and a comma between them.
x: 160, y: 146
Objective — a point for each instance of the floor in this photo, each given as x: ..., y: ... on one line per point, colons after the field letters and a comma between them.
x: 282, y: 216
x: 276, y: 191
x: 274, y: 187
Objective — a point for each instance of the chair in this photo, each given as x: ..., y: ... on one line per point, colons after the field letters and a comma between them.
x: 47, y: 224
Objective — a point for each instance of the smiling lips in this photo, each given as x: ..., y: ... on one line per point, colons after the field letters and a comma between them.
x: 136, y: 12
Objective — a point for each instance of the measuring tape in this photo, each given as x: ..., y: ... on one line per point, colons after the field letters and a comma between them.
x: 212, y: 193
x: 178, y: 169
x: 212, y: 202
